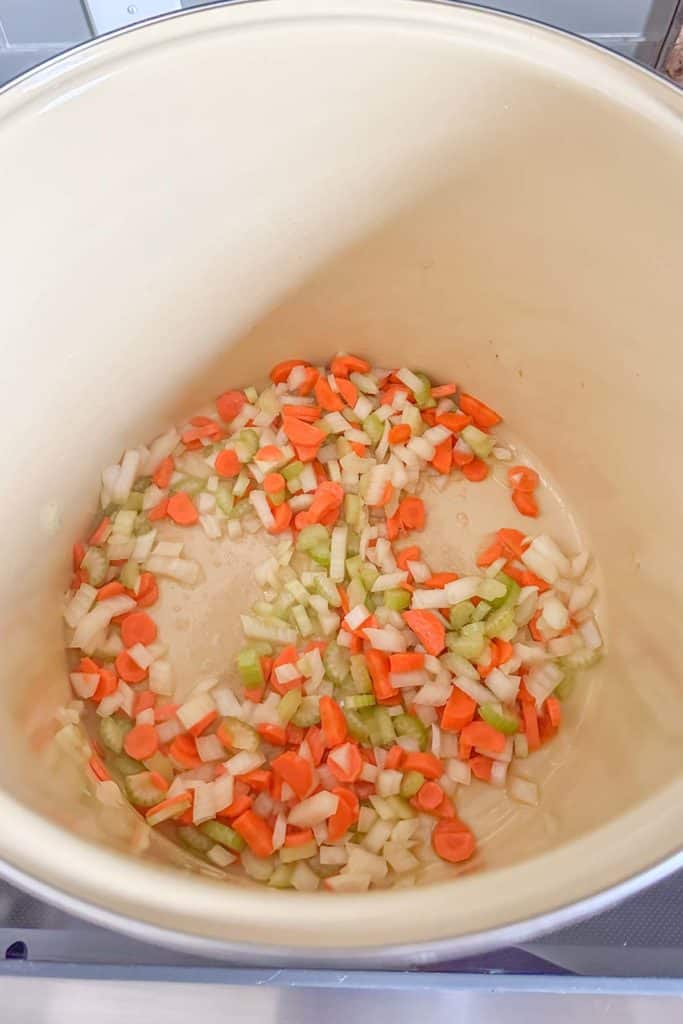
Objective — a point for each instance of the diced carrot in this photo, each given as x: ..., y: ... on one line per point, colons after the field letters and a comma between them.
x: 165, y: 712
x: 296, y: 771
x: 482, y: 415
x: 112, y: 589
x: 148, y: 591
x: 138, y: 628
x: 429, y: 797
x: 257, y: 779
x: 175, y: 801
x: 393, y: 526
x: 315, y: 738
x: 295, y: 734
x: 554, y: 709
x: 183, y: 750
x: 332, y: 721
x: 390, y: 393
x: 358, y: 448
x: 483, y: 735
x: 348, y: 391
x: 273, y: 483
x: 307, y: 413
x: 344, y: 365
x: 255, y: 832
x: 345, y: 815
x: 454, y: 421
x: 241, y: 803
x: 443, y: 456
x: 310, y: 379
x: 99, y: 535
x: 143, y: 702
x: 464, y: 749
x: 429, y: 417
x: 128, y: 669
x: 78, y: 554
x: 481, y: 767
x: 350, y: 770
x: 107, y: 684
x: 287, y: 656
x: 199, y: 727
x: 230, y: 405
x: 281, y: 371
x: 298, y: 837
x: 227, y: 463
x: 458, y: 712
x: 378, y: 667
x: 525, y: 504
x: 400, y: 434
x: 460, y: 459
x: 98, y: 768
x: 164, y: 472
x: 141, y: 742
x: 159, y: 511
x: 411, y: 661
x: 326, y: 397
x: 273, y: 734
x: 523, y: 478
x: 428, y: 628
x: 182, y: 510
x: 453, y: 841
x: 427, y: 764
x: 443, y: 390
x: 476, y: 470
x: 513, y: 540
x: 302, y: 433
x: 438, y: 580
x: 282, y: 514
x: 412, y: 513
x: 490, y: 555
x: 395, y: 757
x: 530, y: 719
x: 405, y: 555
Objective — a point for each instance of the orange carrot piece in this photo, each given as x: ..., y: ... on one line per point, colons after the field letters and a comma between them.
x: 452, y: 840
x: 183, y: 749
x: 523, y: 478
x: 159, y: 511
x: 405, y: 555
x: 128, y: 669
x: 258, y: 779
x: 310, y: 379
x: 481, y: 734
x: 144, y: 701
x: 164, y: 472
x: 276, y: 735
x: 199, y: 727
x: 327, y: 398
x: 78, y: 554
x: 182, y: 510
x: 454, y: 421
x: 530, y: 719
x: 175, y: 801
x: 458, y: 712
x: 298, y: 837
x: 332, y: 721
x: 428, y: 628
x: 302, y: 433
x: 378, y: 667
x: 400, y: 434
x: 269, y: 453
x: 148, y: 591
x: 490, y: 555
x: 411, y: 661
x: 107, y: 684
x: 256, y: 833
x: 165, y: 712
x: 443, y: 456
x: 348, y: 391
x: 525, y: 504
x: 241, y: 803
x: 112, y: 589
x: 411, y: 512
x: 344, y: 365
x: 227, y: 463
x: 554, y: 709
x: 273, y: 483
x: 427, y: 764
x: 394, y: 758
x: 348, y: 773
x: 138, y: 628
x: 141, y: 742
x: 98, y: 536
x: 296, y: 771
x: 476, y: 470
x: 345, y: 815
x: 315, y: 738
x: 439, y: 579
x: 230, y: 405
x: 481, y: 767
x: 307, y: 413
x: 461, y: 459
x: 429, y: 797
x: 443, y: 390
x: 281, y: 371
x: 482, y: 415
x: 97, y: 767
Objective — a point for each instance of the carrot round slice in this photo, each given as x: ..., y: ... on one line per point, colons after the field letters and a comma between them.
x: 148, y: 591
x: 181, y: 509
x: 138, y: 628
x: 227, y: 463
x: 452, y: 840
x: 128, y: 669
x: 281, y: 371
x: 141, y: 742
x: 230, y: 405
x: 525, y: 503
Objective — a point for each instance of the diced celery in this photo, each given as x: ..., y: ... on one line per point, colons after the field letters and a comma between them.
x: 249, y: 438
x: 357, y: 593
x: 308, y: 713
x: 97, y: 566
x: 289, y: 705
x: 321, y: 554
x: 470, y: 643
x: 368, y: 574
x: 353, y: 566
x: 397, y: 600
x: 359, y: 700
x: 379, y: 724
x: 222, y: 834
x: 281, y: 878
x: 499, y: 621
x: 481, y: 611
x: 134, y: 502
x: 423, y: 397
x: 142, y: 483
x: 374, y: 428
x: 224, y: 499
x: 500, y: 720
x: 412, y: 783
x: 113, y: 732
x: 251, y: 394
x: 130, y: 575
x: 461, y: 614
x: 400, y: 806
x: 356, y: 725
x: 481, y: 444
x: 352, y: 509
x: 411, y: 416
x: 360, y: 675
x: 352, y: 543
x: 240, y: 735
x: 327, y: 588
x: 249, y: 668
x: 141, y: 791
x: 565, y: 687
x: 512, y: 589
x: 410, y: 725
x: 158, y: 762
x: 189, y: 484
x: 336, y: 661
x: 290, y: 854
x: 311, y: 536
x: 194, y: 839
x: 125, y: 765
x: 292, y: 471
x: 580, y: 659
x: 141, y: 525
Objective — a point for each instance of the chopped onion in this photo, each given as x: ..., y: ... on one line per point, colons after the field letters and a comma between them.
x: 523, y: 790
x: 313, y: 810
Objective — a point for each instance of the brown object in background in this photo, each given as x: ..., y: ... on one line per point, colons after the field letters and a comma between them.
x: 674, y: 65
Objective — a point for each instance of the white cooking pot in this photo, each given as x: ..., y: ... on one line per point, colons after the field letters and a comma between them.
x: 185, y: 204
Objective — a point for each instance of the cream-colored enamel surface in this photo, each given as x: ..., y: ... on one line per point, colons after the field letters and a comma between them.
x: 187, y: 203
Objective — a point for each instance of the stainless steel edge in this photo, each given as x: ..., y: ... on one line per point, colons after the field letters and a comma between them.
x: 404, y: 955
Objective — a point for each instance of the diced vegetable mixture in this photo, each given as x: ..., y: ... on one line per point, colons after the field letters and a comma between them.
x: 371, y: 685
